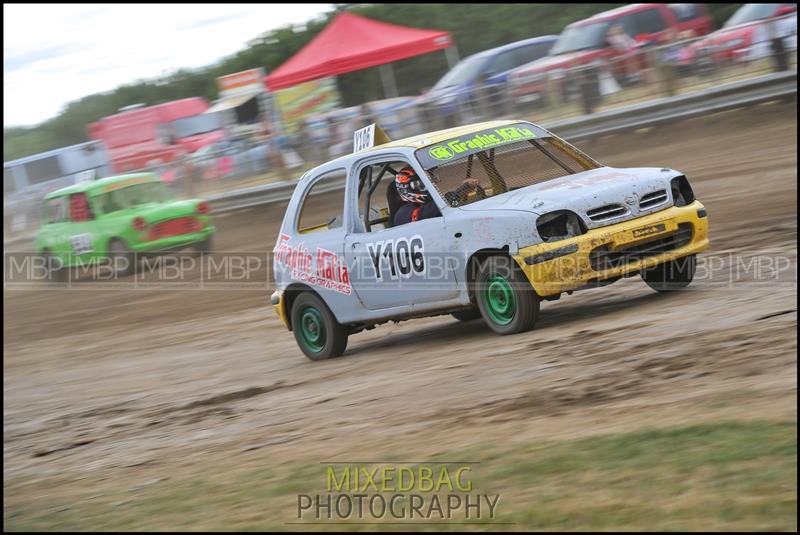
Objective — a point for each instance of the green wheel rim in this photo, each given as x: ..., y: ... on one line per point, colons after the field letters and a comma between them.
x: 312, y: 329
x: 499, y: 300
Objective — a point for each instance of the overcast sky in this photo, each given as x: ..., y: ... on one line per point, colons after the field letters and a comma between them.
x: 54, y: 54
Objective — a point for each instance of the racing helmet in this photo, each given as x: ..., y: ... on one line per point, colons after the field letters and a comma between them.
x: 410, y: 187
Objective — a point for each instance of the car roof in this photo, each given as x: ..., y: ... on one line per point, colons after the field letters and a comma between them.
x: 430, y: 138
x: 516, y: 44
x: 97, y: 184
x: 614, y: 13
x: 421, y: 140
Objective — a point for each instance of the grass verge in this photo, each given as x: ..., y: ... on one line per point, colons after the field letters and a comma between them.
x: 722, y: 476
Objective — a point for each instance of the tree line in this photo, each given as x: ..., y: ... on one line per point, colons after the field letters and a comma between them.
x: 475, y: 27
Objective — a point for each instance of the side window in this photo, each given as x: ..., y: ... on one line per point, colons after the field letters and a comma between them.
x: 322, y: 207
x: 630, y: 24
x: 79, y: 209
x: 110, y: 202
x: 649, y: 21
x: 377, y: 195
x: 55, y: 210
x: 501, y: 63
x: 530, y: 53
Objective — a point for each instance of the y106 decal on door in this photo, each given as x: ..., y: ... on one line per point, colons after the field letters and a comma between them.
x: 401, y: 257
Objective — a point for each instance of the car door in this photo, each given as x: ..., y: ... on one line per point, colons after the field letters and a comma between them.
x: 403, y: 265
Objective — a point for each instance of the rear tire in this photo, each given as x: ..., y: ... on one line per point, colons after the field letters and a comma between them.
x: 54, y: 274
x: 315, y: 328
x: 672, y: 275
x: 122, y: 259
x: 507, y: 302
x: 205, y: 246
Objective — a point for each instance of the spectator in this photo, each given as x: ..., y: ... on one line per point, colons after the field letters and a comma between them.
x: 367, y: 117
x: 669, y: 61
x: 775, y: 34
x: 626, y: 48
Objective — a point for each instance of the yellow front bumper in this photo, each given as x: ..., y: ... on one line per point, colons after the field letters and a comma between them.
x: 565, y: 265
x: 277, y: 300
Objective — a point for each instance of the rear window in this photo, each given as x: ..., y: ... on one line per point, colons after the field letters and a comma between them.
x: 500, y: 162
x: 132, y: 196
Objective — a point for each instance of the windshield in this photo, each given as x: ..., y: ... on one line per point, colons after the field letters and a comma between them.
x: 131, y: 196
x: 575, y: 38
x: 466, y: 70
x: 197, y: 124
x: 751, y: 12
x: 521, y: 155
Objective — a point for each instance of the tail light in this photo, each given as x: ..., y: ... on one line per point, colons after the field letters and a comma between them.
x: 203, y: 208
x: 139, y: 224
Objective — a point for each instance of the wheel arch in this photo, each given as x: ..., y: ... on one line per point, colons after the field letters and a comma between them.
x: 290, y: 294
x: 473, y: 263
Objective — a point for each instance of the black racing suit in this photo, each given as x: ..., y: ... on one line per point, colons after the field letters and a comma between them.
x: 414, y: 212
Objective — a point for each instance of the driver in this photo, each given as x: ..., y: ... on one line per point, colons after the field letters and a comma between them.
x: 418, y: 203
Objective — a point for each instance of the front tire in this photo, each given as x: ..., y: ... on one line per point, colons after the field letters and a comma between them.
x: 315, y: 328
x: 672, y: 275
x: 507, y: 302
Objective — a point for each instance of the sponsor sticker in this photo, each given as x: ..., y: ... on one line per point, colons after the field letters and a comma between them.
x: 647, y: 231
x: 324, y: 268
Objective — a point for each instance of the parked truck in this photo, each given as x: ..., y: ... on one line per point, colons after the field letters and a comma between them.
x: 141, y: 137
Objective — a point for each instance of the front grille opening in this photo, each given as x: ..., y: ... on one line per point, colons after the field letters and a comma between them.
x: 606, y: 212
x: 653, y: 199
x: 559, y: 225
x: 682, y: 193
x: 604, y: 258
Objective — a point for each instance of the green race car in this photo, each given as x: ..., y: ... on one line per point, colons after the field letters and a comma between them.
x: 117, y: 219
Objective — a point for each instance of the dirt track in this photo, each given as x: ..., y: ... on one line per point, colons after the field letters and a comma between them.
x: 104, y: 380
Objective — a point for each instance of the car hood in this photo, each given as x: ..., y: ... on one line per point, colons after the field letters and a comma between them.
x: 585, y: 192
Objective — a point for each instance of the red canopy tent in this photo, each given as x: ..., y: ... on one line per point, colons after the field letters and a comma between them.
x: 350, y: 43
